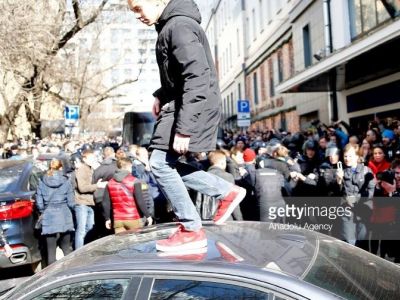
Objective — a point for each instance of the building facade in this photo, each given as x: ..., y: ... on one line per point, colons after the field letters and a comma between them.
x: 298, y: 61
x: 354, y: 57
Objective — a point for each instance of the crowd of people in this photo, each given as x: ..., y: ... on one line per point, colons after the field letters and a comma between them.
x: 95, y: 187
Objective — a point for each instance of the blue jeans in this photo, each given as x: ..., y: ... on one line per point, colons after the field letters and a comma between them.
x: 352, y: 230
x: 84, y: 223
x: 175, y: 177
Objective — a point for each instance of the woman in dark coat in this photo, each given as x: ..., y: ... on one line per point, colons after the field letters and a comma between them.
x: 188, y: 110
x: 55, y: 200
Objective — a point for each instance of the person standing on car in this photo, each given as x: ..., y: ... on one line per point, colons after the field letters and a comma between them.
x: 188, y: 111
x: 3, y: 242
x: 55, y: 202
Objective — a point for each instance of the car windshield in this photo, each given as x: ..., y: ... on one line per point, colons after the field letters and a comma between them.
x: 351, y: 273
x: 9, y: 175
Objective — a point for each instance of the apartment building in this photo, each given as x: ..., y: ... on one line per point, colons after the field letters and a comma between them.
x: 352, y: 55
x: 297, y: 61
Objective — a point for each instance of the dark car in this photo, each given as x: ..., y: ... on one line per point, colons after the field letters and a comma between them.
x: 138, y: 128
x: 243, y: 260
x: 17, y: 214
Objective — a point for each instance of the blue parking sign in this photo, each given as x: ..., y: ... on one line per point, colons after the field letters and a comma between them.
x: 71, y: 112
x: 243, y: 106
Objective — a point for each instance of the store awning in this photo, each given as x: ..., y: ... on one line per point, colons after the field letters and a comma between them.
x: 370, y: 58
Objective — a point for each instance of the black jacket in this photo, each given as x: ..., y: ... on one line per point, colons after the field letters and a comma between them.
x: 105, y: 172
x: 190, y: 97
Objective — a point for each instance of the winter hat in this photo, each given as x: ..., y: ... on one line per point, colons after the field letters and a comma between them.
x: 249, y: 155
x: 310, y: 144
x: 332, y: 151
x: 389, y: 134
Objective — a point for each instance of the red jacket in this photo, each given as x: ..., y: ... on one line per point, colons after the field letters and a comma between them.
x: 381, y: 213
x: 123, y: 204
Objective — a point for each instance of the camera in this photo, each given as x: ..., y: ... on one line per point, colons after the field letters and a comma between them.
x: 315, y: 123
x: 387, y: 176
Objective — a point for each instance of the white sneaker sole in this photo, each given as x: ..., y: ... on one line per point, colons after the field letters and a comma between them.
x: 187, y: 252
x: 183, y: 248
x: 240, y: 196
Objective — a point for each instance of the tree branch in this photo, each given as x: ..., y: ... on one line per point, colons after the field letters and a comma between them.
x: 79, y: 24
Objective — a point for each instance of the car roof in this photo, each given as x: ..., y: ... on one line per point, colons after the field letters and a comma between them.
x: 252, y: 249
x: 253, y: 246
x: 10, y: 163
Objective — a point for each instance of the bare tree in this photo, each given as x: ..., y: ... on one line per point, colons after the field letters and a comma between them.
x: 33, y: 32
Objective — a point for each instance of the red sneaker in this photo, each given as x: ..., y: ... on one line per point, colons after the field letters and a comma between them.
x: 228, y: 204
x: 227, y: 253
x: 194, y: 254
x: 183, y: 240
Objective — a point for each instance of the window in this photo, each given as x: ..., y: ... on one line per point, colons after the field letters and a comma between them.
x: 269, y: 12
x: 230, y: 55
x: 255, y: 86
x: 232, y: 104
x: 280, y: 66
x: 94, y: 289
x: 307, y: 46
x: 261, y: 8
x: 228, y: 100
x: 368, y: 14
x: 238, y: 41
x: 248, y: 36
x: 253, y: 16
x: 271, y: 79
x: 189, y: 289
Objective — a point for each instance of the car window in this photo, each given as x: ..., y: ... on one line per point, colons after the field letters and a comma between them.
x: 93, y: 289
x: 172, y: 289
x: 9, y: 176
x: 352, y: 274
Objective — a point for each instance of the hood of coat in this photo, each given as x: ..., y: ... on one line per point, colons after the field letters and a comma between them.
x: 55, y: 181
x: 108, y: 161
x: 120, y: 175
x: 187, y: 8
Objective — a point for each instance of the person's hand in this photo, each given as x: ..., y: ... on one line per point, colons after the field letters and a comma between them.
x: 242, y: 171
x: 8, y: 250
x: 311, y: 176
x: 389, y: 188
x: 339, y: 175
x: 108, y: 224
x: 149, y: 221
x: 293, y: 175
x: 101, y: 184
x: 181, y: 143
x: 156, y: 108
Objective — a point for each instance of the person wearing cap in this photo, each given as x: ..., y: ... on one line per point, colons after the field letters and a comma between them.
x: 309, y: 163
x: 327, y: 183
x: 328, y: 188
x: 390, y: 143
x: 248, y: 182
